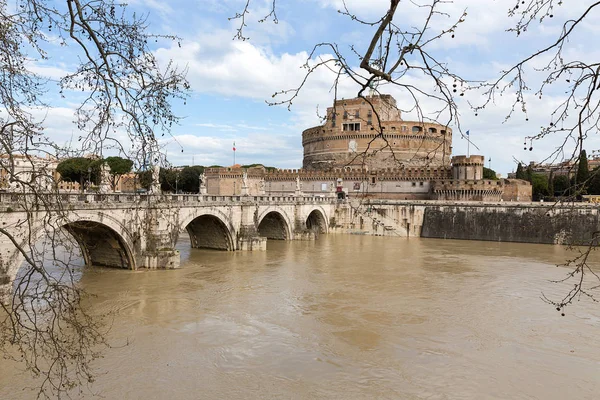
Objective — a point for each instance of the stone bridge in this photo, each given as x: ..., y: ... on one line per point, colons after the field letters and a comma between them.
x: 141, y: 231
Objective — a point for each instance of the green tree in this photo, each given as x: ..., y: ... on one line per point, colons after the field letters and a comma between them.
x: 561, y: 185
x: 520, y: 172
x: 189, y: 179
x: 79, y: 169
x: 145, y: 179
x: 583, y: 172
x: 168, y: 179
x: 489, y: 173
x: 594, y: 186
x: 529, y: 174
x: 118, y: 167
x: 539, y: 183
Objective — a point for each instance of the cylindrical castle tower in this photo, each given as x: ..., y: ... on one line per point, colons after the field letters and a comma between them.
x: 467, y: 168
x: 351, y: 137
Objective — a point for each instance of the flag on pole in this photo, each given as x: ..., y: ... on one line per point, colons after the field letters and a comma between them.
x: 467, y: 133
x: 233, y: 146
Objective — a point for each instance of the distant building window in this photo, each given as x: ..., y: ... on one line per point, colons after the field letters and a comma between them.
x: 357, y: 114
x: 420, y: 183
x: 373, y: 179
x: 370, y: 113
x: 351, y: 127
x: 345, y: 114
x: 414, y: 183
x: 404, y: 128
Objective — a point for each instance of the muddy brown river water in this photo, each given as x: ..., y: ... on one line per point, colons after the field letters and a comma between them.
x: 344, y: 317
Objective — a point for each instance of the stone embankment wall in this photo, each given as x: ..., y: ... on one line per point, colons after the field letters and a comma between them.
x: 510, y: 222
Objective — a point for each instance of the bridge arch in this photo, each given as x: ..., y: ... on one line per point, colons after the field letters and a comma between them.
x: 273, y: 224
x: 317, y: 220
x: 210, y: 229
x: 102, y: 239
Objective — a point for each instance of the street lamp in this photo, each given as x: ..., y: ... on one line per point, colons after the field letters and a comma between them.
x: 176, y: 183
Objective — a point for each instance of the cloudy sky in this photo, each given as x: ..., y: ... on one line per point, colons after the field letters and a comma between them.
x: 232, y: 79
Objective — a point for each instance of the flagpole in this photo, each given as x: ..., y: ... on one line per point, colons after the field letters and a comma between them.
x: 468, y: 144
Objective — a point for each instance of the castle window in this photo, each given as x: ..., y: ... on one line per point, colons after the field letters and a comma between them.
x: 333, y: 123
x: 393, y: 128
x: 420, y: 183
x: 373, y: 180
x: 351, y: 127
x: 404, y: 128
x: 443, y: 132
x: 414, y: 183
x: 417, y: 129
x: 432, y: 130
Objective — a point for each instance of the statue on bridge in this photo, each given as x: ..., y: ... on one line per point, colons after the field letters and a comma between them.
x: 245, y: 191
x: 155, y: 187
x: 105, y: 185
x: 298, y: 186
x: 202, y: 179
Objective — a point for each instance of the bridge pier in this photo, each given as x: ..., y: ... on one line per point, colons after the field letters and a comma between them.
x: 248, y: 238
x: 159, y: 250
x: 301, y: 231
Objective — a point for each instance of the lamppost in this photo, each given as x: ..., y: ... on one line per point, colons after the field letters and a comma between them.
x: 176, y: 183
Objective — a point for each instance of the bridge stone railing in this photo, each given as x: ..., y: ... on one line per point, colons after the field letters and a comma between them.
x: 9, y: 199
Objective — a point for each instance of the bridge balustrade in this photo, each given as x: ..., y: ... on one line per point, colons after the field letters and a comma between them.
x: 11, y: 198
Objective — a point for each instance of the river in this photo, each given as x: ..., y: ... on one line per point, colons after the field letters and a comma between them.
x: 344, y: 317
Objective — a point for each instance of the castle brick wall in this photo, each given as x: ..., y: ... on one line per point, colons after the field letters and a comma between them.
x: 517, y: 190
x: 359, y: 134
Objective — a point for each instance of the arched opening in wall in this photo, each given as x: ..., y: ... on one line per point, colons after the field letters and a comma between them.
x: 100, y: 245
x: 209, y: 232
x: 316, y: 222
x: 60, y: 254
x: 273, y: 226
x: 417, y: 129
